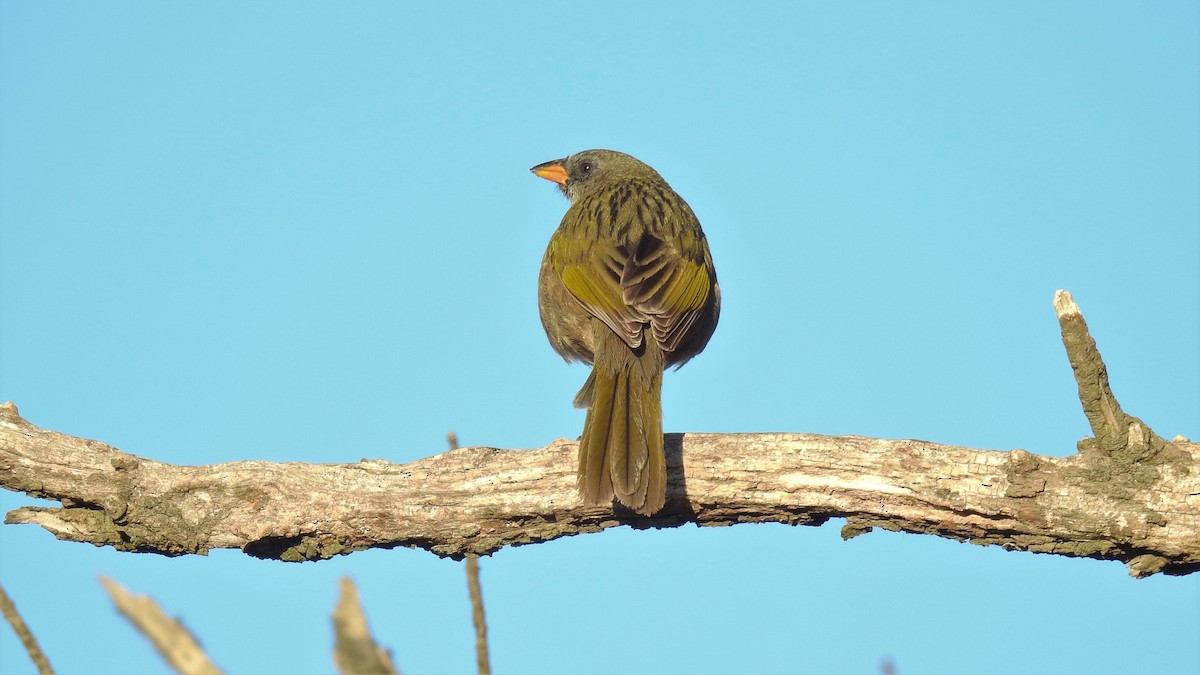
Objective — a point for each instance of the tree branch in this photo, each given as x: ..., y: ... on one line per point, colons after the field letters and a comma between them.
x: 170, y: 638
x: 1118, y: 435
x: 354, y: 650
x: 1137, y: 501
x: 9, y: 610
x: 483, y: 662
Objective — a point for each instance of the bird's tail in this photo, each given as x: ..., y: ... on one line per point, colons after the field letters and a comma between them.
x: 621, y: 451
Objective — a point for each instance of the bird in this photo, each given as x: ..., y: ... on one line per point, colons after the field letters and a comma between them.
x: 627, y: 285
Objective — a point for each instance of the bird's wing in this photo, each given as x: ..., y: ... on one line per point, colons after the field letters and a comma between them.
x: 657, y: 271
x: 670, y: 283
x: 592, y: 272
x: 630, y: 286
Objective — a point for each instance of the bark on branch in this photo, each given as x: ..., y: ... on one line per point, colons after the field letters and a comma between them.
x: 1127, y: 495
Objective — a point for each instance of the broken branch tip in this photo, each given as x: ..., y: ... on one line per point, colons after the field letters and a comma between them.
x: 1064, y: 304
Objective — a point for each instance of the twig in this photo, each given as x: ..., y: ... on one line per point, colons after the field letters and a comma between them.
x: 178, y: 647
x: 355, y: 651
x: 1115, y: 431
x: 26, y: 636
x: 478, y: 617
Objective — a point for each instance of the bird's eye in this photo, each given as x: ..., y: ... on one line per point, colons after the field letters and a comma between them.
x: 586, y: 167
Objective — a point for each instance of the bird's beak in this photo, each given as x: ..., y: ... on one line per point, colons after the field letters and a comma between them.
x: 552, y: 171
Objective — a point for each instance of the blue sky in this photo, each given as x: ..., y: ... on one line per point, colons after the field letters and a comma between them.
x: 307, y: 232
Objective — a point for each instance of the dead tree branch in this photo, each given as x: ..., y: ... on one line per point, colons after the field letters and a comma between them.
x: 1127, y: 495
x: 9, y: 610
x: 354, y: 650
x: 173, y: 641
x: 483, y: 662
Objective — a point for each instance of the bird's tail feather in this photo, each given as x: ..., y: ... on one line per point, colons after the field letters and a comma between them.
x: 621, y: 451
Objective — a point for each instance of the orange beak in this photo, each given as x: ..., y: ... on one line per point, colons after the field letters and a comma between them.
x: 552, y: 171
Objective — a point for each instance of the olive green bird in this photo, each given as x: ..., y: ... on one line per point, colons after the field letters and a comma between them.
x: 628, y: 286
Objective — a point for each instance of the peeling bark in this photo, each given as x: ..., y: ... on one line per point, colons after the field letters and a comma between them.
x: 1127, y: 495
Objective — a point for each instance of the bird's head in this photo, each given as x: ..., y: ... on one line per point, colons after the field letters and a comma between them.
x: 589, y: 171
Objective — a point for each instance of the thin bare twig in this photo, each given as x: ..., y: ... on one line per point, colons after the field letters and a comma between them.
x: 9, y: 609
x: 477, y: 616
x: 482, y: 660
